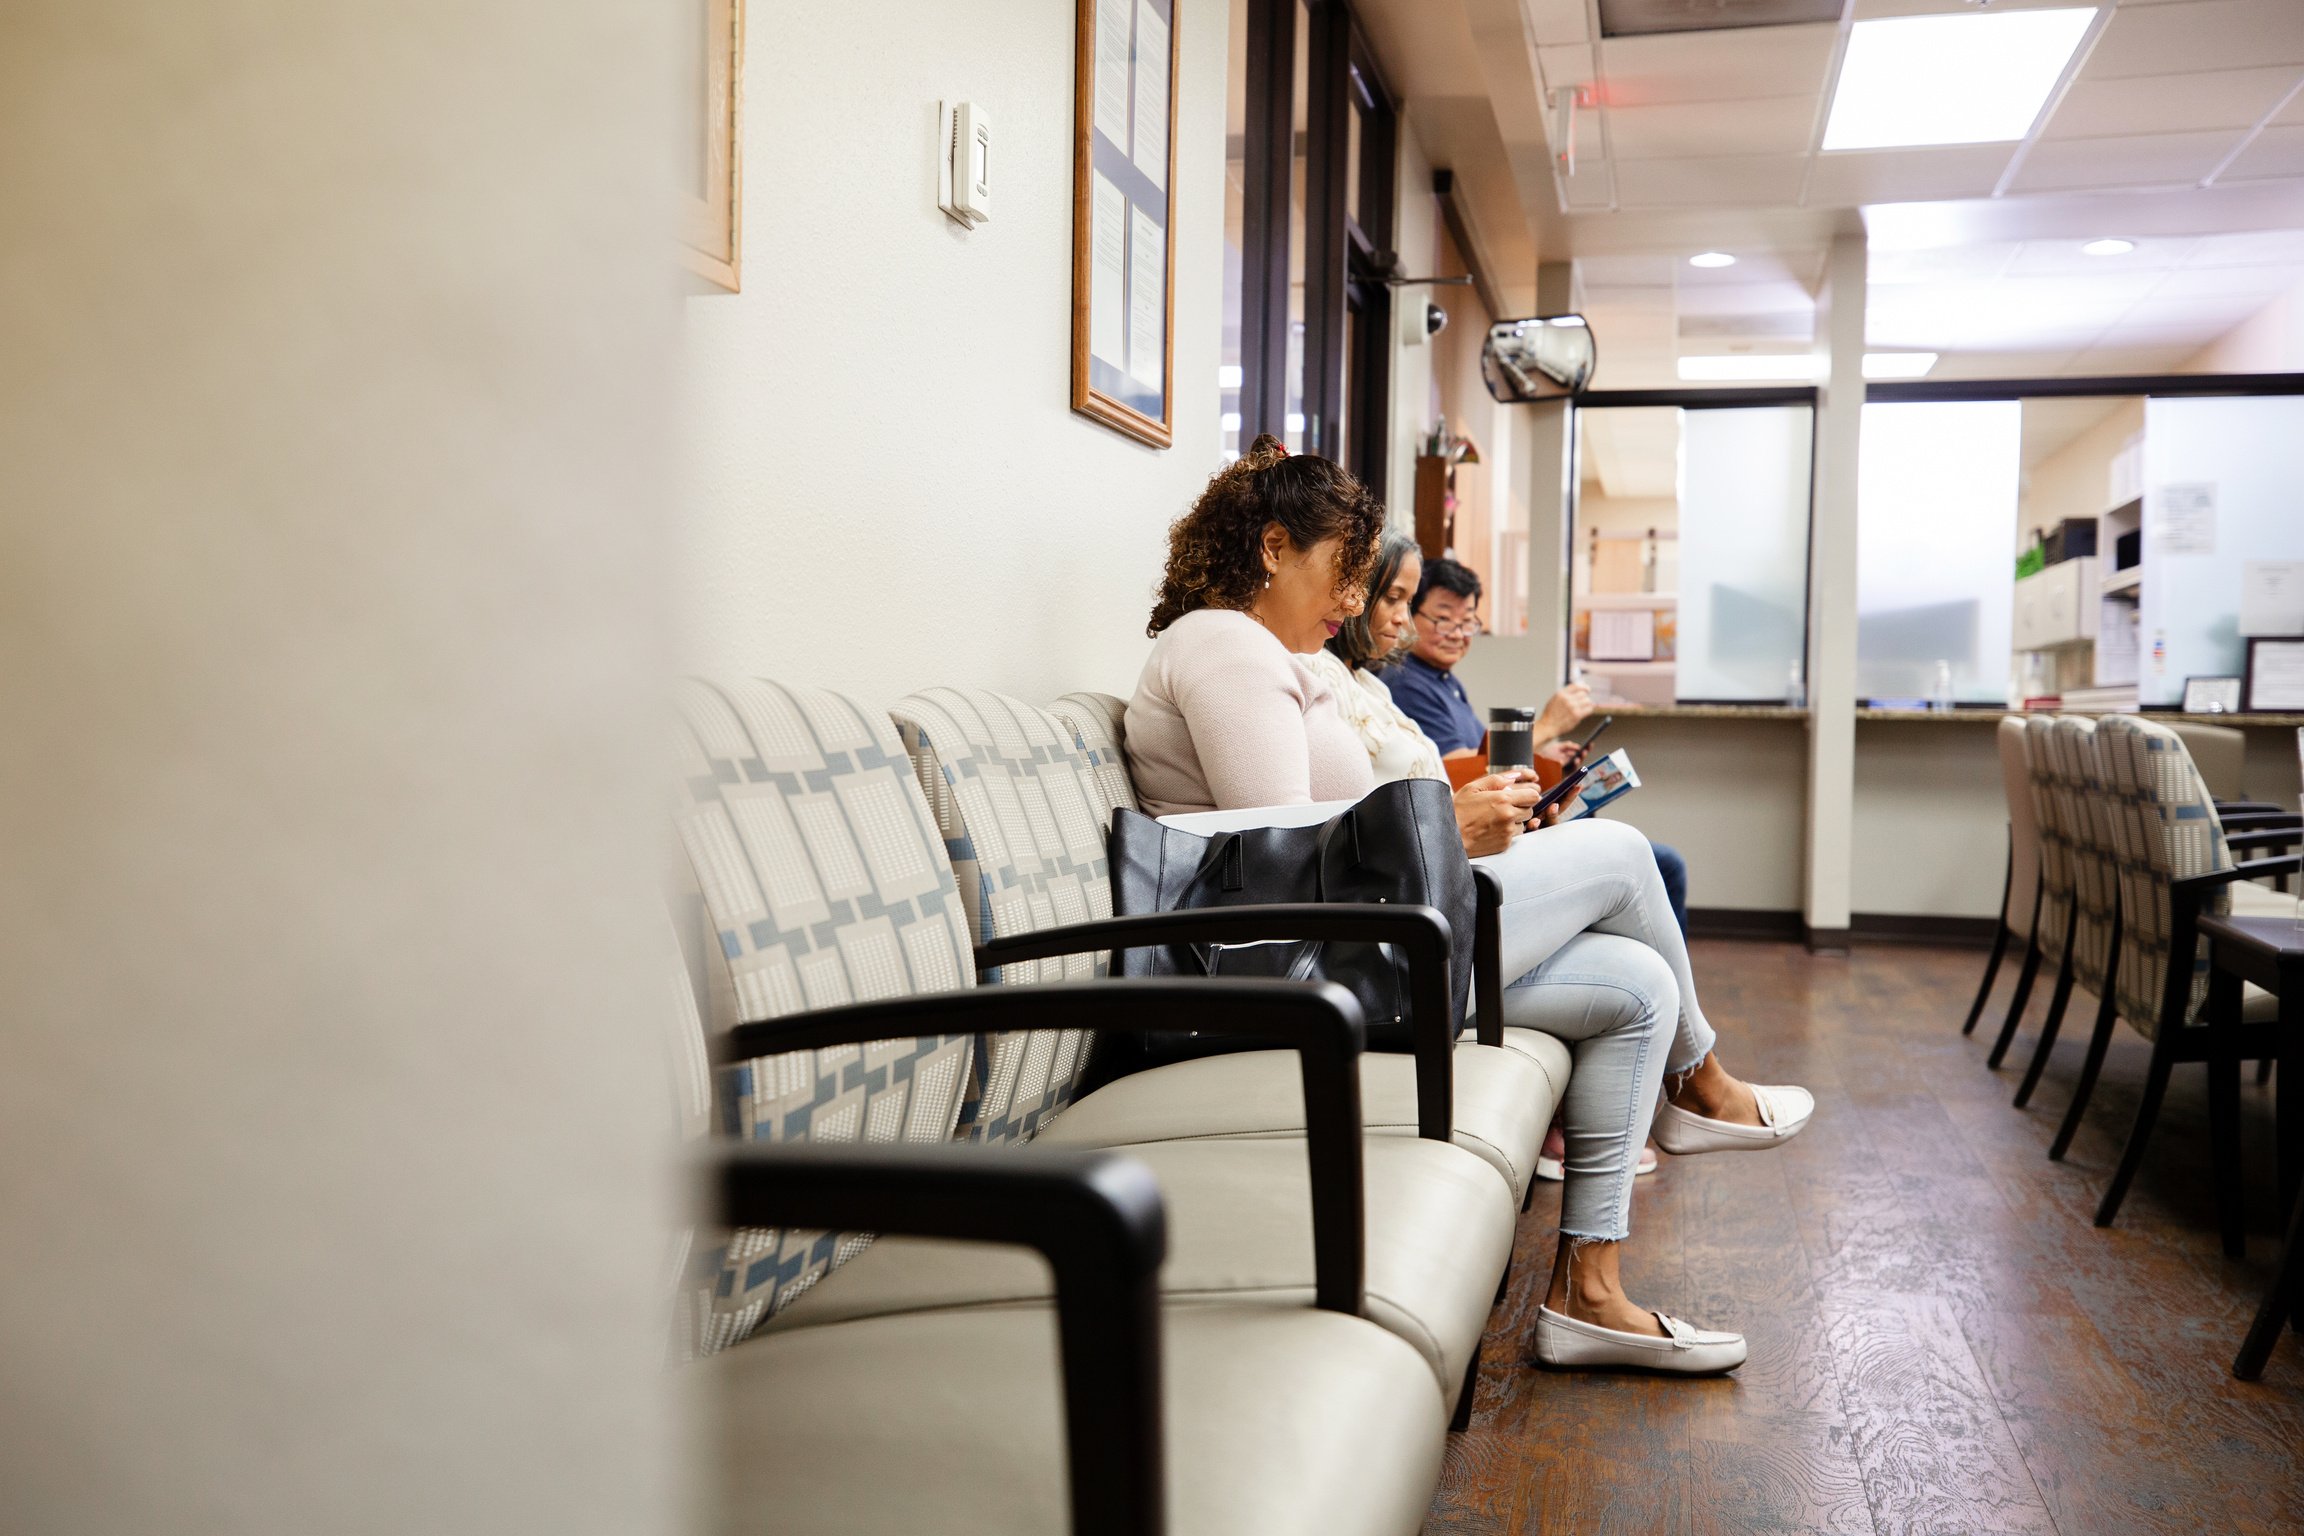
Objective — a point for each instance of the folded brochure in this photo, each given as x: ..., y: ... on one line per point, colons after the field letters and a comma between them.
x: 1611, y: 778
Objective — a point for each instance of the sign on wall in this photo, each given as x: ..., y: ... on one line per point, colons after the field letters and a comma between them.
x: 1123, y: 236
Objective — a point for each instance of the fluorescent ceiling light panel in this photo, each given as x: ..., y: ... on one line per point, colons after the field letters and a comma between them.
x: 1978, y: 77
x: 1754, y: 367
x: 1898, y: 365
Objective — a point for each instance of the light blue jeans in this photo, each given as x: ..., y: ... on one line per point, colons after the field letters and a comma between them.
x: 1600, y: 964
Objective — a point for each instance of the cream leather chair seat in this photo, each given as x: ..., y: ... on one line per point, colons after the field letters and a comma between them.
x: 1439, y: 1232
x: 1504, y: 1098
x: 1278, y: 1422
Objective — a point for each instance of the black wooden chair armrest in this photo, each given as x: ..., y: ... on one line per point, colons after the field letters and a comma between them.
x: 2189, y: 891
x: 2269, y: 837
x: 1488, y: 957
x: 1097, y: 1217
x: 2230, y: 808
x: 1319, y: 1020
x: 1422, y: 932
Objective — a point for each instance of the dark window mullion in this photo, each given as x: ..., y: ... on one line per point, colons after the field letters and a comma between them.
x: 1324, y: 241
x: 1268, y: 152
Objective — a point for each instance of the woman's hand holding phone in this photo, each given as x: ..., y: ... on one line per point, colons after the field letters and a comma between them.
x: 1493, y: 810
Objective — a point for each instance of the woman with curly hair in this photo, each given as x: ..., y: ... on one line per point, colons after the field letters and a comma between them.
x: 1231, y: 711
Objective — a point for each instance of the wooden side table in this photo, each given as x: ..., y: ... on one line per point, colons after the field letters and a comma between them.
x: 2269, y: 951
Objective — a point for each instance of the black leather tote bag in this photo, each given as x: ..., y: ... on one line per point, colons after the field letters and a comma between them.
x: 1398, y: 845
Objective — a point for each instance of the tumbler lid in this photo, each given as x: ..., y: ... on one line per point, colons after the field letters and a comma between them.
x: 1511, y: 714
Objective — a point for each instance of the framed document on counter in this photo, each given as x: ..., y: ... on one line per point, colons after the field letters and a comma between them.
x: 2275, y: 676
x: 1123, y: 238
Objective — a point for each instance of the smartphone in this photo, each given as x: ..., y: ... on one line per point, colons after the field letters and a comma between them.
x: 1570, y: 782
x: 1584, y: 747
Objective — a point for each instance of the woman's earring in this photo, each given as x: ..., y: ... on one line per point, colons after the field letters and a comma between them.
x: 1267, y: 581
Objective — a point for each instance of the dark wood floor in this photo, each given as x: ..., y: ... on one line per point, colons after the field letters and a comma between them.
x: 1941, y: 1342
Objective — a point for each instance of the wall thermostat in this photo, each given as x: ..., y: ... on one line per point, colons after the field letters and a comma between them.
x: 964, y: 162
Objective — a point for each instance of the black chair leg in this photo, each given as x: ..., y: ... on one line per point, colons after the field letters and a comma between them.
x: 2042, y: 1051
x: 1991, y: 974
x: 2057, y: 1003
x: 2140, y: 1134
x: 2107, y: 1015
x: 2224, y: 1111
x: 1999, y: 941
x: 2286, y: 1292
x: 2016, y: 1004
x: 1462, y: 1418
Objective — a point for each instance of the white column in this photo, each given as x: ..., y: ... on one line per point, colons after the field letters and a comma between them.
x: 1832, y: 600
x: 336, y: 1161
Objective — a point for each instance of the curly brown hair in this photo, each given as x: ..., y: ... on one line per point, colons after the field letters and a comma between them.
x: 1215, y: 551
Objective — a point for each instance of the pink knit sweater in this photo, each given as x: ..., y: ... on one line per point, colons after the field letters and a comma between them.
x: 1224, y: 717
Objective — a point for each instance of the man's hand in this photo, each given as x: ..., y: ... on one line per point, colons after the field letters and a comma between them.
x: 1564, y: 711
x: 1566, y: 753
x: 1493, y: 810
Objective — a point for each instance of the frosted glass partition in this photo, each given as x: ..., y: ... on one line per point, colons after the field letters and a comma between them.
x: 2223, y: 485
x: 1936, y: 489
x: 1743, y: 551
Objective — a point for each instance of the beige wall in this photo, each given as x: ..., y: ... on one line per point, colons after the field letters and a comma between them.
x: 890, y: 487
x: 1931, y: 817
x: 335, y: 1171
x: 2075, y: 480
x: 2270, y: 341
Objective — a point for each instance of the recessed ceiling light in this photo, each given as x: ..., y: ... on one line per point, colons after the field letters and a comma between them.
x: 1898, y: 365
x: 2114, y: 247
x: 1712, y: 259
x: 1753, y: 367
x: 1978, y: 77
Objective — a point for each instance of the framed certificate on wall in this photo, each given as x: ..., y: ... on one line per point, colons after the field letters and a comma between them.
x: 2275, y: 675
x: 1123, y: 238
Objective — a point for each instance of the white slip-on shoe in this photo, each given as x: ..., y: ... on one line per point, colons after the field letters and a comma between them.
x: 1566, y: 1344
x: 1550, y: 1167
x: 1783, y: 1112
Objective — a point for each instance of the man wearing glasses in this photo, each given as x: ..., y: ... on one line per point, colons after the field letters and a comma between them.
x: 1446, y: 614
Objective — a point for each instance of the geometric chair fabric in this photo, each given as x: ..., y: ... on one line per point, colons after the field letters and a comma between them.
x: 2057, y: 872
x: 2077, y: 786
x: 821, y: 881
x: 1099, y: 729
x: 1013, y: 799
x: 2165, y: 828
x: 2023, y: 828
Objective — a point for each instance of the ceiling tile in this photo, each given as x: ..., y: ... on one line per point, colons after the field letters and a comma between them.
x: 1851, y: 178
x: 1772, y: 298
x: 1566, y: 66
x: 2117, y: 359
x: 2056, y: 258
x: 1735, y: 65
x: 1726, y: 181
x: 2291, y: 115
x: 1625, y: 271
x: 2250, y: 248
x: 2274, y: 152
x: 1556, y: 21
x: 2208, y: 34
x: 2225, y: 282
x: 1890, y: 268
x: 2148, y: 160
x: 1771, y: 125
x: 2134, y: 104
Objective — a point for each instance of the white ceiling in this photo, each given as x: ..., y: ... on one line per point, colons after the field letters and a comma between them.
x: 2180, y: 126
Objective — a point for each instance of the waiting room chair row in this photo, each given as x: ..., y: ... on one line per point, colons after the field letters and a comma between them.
x: 1240, y: 1292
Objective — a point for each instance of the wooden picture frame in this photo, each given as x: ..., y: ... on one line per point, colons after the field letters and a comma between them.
x: 2273, y: 680
x: 712, y: 220
x: 1124, y: 87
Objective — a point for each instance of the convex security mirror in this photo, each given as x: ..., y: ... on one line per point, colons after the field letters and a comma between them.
x: 1540, y: 358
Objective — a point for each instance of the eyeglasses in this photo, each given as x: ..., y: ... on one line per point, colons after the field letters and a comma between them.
x: 1465, y: 629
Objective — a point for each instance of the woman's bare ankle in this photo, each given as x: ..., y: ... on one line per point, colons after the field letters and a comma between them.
x: 1708, y: 1089
x: 1585, y: 1287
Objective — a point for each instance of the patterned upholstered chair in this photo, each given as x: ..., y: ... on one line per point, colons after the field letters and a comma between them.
x: 2054, y: 910
x: 2076, y: 785
x: 1500, y: 1111
x: 842, y: 1001
x: 2020, y: 886
x: 2175, y: 862
x: 1022, y: 803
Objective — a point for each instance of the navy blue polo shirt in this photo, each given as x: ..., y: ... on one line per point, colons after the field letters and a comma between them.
x: 1435, y: 701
